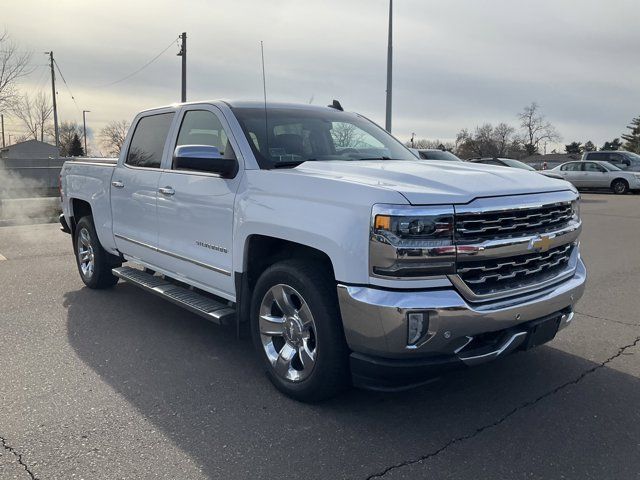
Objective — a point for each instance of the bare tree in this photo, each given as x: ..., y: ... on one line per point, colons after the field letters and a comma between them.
x: 489, y: 141
x: 14, y: 64
x: 536, y: 128
x: 346, y: 135
x: 66, y: 132
x: 34, y: 113
x: 112, y: 136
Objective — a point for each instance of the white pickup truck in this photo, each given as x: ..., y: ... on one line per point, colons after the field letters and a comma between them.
x: 350, y: 261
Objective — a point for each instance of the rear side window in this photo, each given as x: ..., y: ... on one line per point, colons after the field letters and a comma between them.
x: 571, y: 167
x: 148, y: 141
x: 597, y: 156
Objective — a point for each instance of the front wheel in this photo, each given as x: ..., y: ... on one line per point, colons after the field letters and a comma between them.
x: 94, y: 263
x: 296, y: 327
x: 620, y: 187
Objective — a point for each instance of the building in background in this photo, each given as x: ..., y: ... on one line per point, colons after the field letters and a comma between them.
x: 31, y: 149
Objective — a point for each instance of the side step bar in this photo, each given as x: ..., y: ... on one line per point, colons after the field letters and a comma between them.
x: 197, y: 303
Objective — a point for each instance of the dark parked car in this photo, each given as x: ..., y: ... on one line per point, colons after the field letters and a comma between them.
x: 621, y: 159
x: 434, y: 154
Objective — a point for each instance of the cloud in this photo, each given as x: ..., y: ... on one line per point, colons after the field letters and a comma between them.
x: 457, y: 63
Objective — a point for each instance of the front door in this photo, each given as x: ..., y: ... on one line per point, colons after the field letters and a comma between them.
x: 594, y: 176
x: 134, y: 188
x: 195, y: 209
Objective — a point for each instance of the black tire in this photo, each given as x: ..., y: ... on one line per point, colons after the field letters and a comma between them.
x: 619, y: 186
x: 100, y: 275
x: 330, y: 373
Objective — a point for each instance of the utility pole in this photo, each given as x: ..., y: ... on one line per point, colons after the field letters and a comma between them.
x: 84, y: 129
x: 387, y: 123
x: 183, y: 53
x: 53, y: 95
x: 2, y: 121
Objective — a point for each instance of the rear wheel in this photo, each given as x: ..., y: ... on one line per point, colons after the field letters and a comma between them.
x: 297, y: 331
x: 94, y: 263
x: 619, y: 186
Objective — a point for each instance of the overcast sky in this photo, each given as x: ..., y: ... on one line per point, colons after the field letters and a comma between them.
x: 457, y: 63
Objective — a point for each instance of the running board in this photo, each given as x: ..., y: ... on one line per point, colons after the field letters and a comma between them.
x: 213, y: 310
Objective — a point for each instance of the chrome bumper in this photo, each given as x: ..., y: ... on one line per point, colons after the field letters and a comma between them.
x: 375, y: 320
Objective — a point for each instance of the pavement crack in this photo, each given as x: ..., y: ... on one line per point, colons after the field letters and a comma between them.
x: 607, y: 319
x: 479, y: 430
x: 18, y: 456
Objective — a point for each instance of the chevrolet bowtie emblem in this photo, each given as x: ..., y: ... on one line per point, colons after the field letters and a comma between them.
x: 541, y: 243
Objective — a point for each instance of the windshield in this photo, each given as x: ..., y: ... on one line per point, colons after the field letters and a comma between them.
x: 517, y: 164
x: 290, y: 136
x: 438, y: 155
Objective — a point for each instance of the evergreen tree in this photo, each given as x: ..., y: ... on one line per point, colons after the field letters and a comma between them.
x: 614, y: 144
x: 75, y: 149
x: 589, y: 146
x: 573, y: 147
x: 633, y: 139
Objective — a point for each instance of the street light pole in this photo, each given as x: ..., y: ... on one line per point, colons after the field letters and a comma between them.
x: 84, y: 128
x: 183, y: 54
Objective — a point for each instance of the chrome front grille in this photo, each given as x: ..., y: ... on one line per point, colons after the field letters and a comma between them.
x: 493, y: 276
x: 488, y: 225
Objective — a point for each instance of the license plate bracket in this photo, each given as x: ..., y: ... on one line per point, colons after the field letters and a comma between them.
x: 542, y: 331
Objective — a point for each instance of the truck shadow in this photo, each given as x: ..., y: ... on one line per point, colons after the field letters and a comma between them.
x: 204, y: 389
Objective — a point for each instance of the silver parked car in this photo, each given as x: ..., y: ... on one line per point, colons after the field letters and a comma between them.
x: 601, y: 175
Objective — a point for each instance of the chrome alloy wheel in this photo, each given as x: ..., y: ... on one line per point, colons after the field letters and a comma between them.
x: 288, y: 332
x: 86, y: 259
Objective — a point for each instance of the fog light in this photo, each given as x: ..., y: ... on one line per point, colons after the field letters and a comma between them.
x: 417, y: 326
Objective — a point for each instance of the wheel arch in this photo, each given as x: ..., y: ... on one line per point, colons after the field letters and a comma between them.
x: 261, y: 251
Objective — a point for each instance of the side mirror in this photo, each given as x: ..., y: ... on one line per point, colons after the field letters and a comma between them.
x: 204, y: 158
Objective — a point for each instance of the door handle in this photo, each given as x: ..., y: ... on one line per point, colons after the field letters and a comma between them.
x: 166, y: 190
x: 117, y: 184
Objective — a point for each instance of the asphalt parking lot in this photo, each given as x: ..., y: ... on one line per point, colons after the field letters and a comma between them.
x: 119, y: 384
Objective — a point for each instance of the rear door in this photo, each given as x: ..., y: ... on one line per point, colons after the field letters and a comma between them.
x: 572, y: 172
x: 134, y: 188
x: 195, y: 216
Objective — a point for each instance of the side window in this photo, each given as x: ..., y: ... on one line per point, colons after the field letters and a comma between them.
x: 571, y: 167
x: 202, y: 127
x: 148, y: 141
x: 603, y: 157
x: 619, y: 158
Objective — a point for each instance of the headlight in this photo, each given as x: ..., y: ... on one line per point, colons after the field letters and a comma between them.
x: 575, y: 207
x: 410, y: 242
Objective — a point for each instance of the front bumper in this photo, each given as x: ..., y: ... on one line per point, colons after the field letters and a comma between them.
x: 376, y: 329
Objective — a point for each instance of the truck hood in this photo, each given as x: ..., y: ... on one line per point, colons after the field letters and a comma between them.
x: 433, y: 182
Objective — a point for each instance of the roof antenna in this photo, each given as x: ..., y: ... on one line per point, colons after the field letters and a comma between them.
x: 264, y: 90
x: 336, y: 104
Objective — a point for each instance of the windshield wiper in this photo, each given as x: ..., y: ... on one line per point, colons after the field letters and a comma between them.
x: 375, y: 158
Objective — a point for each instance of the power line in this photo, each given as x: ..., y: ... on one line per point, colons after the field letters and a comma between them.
x: 141, y: 68
x: 66, y: 84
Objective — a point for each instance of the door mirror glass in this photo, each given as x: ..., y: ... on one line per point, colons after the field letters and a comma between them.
x: 204, y: 158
